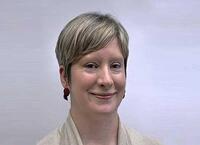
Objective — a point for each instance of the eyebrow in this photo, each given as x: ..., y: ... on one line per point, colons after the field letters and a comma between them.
x: 116, y: 58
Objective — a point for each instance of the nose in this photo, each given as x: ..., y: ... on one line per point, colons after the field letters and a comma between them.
x: 105, y: 79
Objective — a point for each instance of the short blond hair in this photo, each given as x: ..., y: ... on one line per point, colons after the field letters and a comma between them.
x: 87, y: 33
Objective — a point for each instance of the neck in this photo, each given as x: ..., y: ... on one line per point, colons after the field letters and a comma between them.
x: 98, y: 129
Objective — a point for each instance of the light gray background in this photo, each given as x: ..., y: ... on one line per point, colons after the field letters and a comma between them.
x: 163, y: 85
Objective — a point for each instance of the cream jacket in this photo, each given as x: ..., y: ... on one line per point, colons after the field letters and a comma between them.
x: 68, y: 135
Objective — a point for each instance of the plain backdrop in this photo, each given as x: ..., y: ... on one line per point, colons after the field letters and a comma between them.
x: 163, y: 84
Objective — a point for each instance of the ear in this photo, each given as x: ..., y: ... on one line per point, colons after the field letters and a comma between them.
x: 63, y: 78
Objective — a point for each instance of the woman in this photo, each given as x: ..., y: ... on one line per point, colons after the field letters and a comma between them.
x: 92, y: 52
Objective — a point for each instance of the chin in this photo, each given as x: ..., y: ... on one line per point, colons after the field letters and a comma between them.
x: 106, y: 109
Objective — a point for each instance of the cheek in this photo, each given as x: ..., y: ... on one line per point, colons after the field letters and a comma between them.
x: 82, y: 80
x: 121, y: 82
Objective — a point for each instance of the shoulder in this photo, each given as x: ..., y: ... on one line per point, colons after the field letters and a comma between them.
x: 135, y: 137
x: 53, y: 138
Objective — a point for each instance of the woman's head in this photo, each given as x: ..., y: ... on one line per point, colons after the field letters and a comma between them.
x: 87, y: 33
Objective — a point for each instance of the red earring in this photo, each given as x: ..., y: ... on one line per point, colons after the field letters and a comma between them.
x: 66, y: 93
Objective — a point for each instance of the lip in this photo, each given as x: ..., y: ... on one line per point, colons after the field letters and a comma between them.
x: 104, y: 96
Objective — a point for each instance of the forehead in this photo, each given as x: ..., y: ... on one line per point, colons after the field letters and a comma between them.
x: 111, y: 50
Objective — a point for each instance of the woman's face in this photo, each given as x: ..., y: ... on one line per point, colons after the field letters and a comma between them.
x: 98, y: 81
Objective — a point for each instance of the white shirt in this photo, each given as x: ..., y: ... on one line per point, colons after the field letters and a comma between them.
x: 68, y: 134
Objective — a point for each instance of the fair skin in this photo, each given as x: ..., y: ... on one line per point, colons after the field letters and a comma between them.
x: 97, y: 86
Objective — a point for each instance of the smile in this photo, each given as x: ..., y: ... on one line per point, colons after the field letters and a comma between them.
x: 104, y: 96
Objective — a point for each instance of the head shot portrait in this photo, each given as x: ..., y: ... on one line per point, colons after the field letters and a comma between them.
x: 100, y: 72
x: 92, y: 53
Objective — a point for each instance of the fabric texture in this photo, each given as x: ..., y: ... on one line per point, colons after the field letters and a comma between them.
x: 68, y: 134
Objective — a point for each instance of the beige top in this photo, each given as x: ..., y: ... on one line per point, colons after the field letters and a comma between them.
x: 68, y: 134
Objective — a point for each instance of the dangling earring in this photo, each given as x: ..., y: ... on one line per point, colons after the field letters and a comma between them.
x: 66, y: 93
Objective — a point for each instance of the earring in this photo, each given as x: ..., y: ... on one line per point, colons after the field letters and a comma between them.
x: 66, y: 93
x: 124, y: 95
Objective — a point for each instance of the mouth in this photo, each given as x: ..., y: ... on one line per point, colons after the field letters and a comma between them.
x: 104, y: 96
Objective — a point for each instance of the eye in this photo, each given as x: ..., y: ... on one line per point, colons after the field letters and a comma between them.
x: 91, y: 65
x: 116, y: 65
